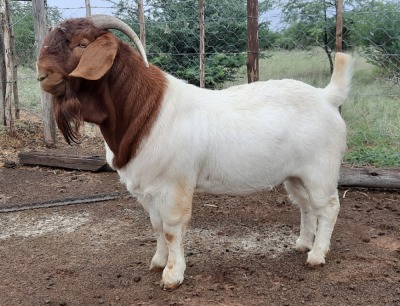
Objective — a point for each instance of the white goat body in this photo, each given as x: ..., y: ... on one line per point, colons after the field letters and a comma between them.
x: 240, y: 140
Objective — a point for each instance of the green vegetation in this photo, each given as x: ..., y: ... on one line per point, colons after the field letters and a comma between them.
x: 173, y: 40
x: 28, y: 90
x: 372, y: 112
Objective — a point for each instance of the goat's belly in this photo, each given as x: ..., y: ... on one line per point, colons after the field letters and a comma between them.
x: 238, y: 182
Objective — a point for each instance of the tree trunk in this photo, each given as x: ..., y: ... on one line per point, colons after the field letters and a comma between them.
x: 15, y: 64
x: 8, y: 107
x: 40, y: 24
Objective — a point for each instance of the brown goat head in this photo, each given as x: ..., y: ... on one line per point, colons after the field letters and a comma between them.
x: 95, y: 77
x: 74, y: 49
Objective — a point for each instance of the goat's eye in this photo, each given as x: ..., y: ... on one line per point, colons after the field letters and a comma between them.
x: 82, y: 45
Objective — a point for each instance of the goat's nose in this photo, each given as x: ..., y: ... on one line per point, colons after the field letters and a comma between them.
x: 41, y: 77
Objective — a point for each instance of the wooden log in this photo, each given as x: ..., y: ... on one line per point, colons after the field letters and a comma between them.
x: 388, y: 178
x: 85, y: 163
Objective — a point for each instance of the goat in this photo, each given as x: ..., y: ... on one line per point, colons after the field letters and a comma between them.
x: 168, y: 139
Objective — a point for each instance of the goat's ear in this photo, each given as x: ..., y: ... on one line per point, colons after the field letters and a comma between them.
x: 97, y: 58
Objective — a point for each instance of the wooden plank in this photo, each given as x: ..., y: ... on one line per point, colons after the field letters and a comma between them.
x: 85, y: 163
x: 388, y: 178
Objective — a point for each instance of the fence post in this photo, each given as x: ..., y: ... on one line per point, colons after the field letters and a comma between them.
x: 252, y: 41
x: 339, y: 25
x: 9, y: 64
x: 40, y: 25
x: 14, y: 63
x: 88, y: 10
x: 2, y: 80
x: 202, y: 47
x: 142, y: 33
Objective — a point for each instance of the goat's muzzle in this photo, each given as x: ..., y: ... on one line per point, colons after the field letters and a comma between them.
x: 52, y: 83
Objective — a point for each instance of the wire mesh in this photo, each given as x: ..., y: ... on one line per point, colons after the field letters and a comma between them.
x: 296, y: 38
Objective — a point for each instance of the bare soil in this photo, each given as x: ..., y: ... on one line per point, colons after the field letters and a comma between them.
x: 239, y: 250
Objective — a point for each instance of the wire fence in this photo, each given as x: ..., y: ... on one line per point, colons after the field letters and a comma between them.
x: 296, y: 41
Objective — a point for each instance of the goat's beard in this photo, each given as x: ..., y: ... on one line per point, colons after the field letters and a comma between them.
x: 67, y: 111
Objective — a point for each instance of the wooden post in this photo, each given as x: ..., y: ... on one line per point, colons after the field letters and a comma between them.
x: 142, y: 33
x: 202, y: 46
x: 14, y: 63
x: 40, y: 25
x: 2, y: 80
x: 339, y: 25
x: 8, y: 108
x: 252, y: 41
x: 88, y: 10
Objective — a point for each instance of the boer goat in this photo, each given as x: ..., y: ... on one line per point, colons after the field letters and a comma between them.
x: 168, y: 139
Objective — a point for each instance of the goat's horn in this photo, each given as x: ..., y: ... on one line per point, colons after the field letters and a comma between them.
x: 110, y: 22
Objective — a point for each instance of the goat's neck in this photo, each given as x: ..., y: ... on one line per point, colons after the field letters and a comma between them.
x: 131, y: 101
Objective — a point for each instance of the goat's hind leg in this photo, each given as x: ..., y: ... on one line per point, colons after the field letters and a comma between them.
x: 321, y: 187
x: 326, y: 205
x: 308, y: 226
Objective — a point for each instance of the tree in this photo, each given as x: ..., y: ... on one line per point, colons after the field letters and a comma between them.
x: 172, y: 36
x: 21, y: 13
x: 311, y: 23
x: 376, y: 29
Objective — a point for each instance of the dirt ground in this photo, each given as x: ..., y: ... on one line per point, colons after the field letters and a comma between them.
x: 239, y: 250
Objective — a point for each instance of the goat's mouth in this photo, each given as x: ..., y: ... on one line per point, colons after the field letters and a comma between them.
x: 56, y: 87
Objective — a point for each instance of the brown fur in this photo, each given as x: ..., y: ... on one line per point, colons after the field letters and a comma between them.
x: 124, y: 102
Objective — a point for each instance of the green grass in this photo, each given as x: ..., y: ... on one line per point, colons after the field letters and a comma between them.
x: 28, y: 90
x: 372, y: 112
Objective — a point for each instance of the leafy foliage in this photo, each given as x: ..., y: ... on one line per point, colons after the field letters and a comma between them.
x: 376, y: 28
x: 22, y: 18
x: 172, y: 41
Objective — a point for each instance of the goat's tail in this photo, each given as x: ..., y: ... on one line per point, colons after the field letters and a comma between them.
x: 339, y: 87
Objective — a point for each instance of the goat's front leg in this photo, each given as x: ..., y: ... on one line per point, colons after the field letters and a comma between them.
x: 175, y: 211
x: 160, y: 258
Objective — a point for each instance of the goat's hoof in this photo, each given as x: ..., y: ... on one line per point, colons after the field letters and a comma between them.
x: 315, y: 260
x: 172, y: 278
x: 303, y: 246
x: 170, y: 287
x: 158, y: 263
x: 156, y: 268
